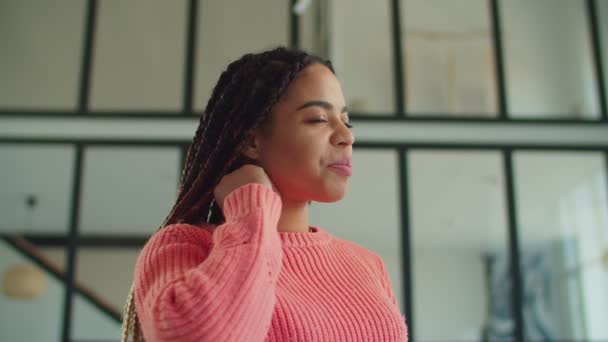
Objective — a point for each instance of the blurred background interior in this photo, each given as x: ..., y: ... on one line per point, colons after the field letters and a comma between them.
x: 479, y: 167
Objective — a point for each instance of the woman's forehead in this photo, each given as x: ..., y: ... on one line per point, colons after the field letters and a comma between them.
x: 313, y: 83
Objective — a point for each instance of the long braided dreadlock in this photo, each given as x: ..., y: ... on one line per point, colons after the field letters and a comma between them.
x: 240, y: 103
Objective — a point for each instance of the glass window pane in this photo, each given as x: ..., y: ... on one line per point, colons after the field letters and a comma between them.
x: 229, y: 29
x: 314, y: 24
x: 449, y: 58
x: 139, y: 51
x: 562, y: 208
x: 92, y: 324
x: 36, y: 183
x: 57, y: 255
x: 372, y: 200
x: 41, y: 53
x: 93, y: 267
x: 43, y: 311
x: 360, y: 48
x: 548, y: 61
x: 459, y: 245
x: 128, y: 190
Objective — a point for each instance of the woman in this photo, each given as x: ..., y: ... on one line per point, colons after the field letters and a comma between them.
x: 236, y: 259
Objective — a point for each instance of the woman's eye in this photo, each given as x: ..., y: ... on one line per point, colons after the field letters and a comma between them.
x: 318, y: 120
x: 321, y: 120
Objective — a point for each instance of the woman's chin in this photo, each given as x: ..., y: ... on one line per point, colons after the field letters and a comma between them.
x: 331, y: 196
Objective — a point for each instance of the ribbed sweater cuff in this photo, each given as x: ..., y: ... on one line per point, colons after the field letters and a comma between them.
x: 250, y: 197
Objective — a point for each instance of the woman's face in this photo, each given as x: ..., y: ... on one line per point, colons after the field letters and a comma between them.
x: 308, y: 133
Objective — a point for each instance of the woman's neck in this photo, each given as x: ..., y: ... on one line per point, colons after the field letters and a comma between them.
x: 294, y: 217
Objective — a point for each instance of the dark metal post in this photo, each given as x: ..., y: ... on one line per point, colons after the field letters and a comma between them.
x: 190, y: 57
x: 294, y: 25
x: 87, y: 57
x: 83, y: 106
x: 514, y: 250
x: 405, y: 240
x: 72, y: 244
x: 499, y: 60
x: 398, y: 59
x: 596, y: 49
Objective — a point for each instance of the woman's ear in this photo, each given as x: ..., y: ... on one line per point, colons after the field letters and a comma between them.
x: 250, y: 152
x: 252, y: 149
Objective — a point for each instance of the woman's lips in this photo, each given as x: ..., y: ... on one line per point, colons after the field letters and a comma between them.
x: 342, y: 169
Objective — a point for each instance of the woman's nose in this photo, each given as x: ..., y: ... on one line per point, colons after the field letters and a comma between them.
x: 343, y: 135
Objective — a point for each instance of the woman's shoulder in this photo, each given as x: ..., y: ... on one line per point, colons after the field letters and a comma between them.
x: 359, y: 250
x: 182, y: 233
x: 173, y: 239
x: 370, y: 261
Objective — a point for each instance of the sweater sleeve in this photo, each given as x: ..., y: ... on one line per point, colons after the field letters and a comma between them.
x: 224, y: 290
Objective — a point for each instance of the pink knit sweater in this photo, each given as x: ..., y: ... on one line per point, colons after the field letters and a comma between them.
x: 246, y: 281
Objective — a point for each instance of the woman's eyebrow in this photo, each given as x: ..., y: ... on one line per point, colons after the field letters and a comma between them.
x: 323, y: 104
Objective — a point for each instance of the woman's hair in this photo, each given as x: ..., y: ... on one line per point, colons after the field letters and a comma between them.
x: 240, y: 103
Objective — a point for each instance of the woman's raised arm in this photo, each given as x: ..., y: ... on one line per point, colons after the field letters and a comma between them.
x: 191, y: 285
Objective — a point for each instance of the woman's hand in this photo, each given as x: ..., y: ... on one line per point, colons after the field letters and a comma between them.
x: 246, y: 174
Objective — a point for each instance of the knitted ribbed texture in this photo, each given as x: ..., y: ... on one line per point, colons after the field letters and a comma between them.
x: 246, y: 281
